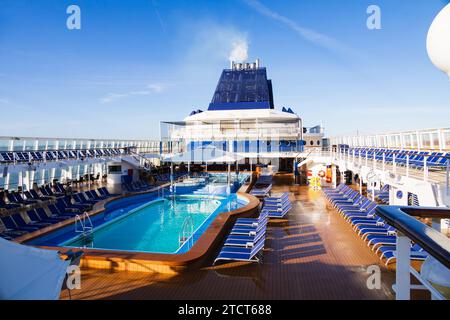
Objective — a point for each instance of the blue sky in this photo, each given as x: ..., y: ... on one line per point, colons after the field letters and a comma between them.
x: 134, y: 63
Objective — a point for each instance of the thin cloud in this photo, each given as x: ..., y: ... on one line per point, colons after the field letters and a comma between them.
x: 151, y: 88
x: 4, y: 101
x: 308, y: 34
x: 158, y: 15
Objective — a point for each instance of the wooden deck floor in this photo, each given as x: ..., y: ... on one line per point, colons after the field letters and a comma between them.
x: 312, y: 254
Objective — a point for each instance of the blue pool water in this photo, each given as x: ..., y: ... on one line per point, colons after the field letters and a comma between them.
x: 147, y: 223
x: 156, y: 227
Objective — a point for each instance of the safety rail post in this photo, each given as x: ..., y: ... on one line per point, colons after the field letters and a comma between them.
x: 353, y: 161
x: 384, y: 161
x: 407, y: 165
x: 359, y: 157
x: 394, y: 164
x: 447, y: 178
x: 425, y: 168
x: 403, y: 263
x: 366, y: 158
x: 374, y: 160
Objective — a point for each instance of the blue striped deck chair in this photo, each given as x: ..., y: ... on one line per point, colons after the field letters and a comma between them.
x: 249, y: 253
x: 280, y: 213
x: 243, y: 241
x: 389, y: 253
x: 248, y: 230
x: 263, y: 216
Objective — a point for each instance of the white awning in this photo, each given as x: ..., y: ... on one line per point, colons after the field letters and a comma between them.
x: 28, y: 273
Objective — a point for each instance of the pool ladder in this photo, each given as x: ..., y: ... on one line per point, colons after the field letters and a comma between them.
x: 83, y: 225
x: 187, y: 232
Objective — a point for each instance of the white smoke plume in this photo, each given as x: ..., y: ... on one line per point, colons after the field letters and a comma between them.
x: 239, y: 50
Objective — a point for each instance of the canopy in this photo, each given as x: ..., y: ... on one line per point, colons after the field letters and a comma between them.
x: 208, y: 153
x: 228, y: 158
x: 28, y: 273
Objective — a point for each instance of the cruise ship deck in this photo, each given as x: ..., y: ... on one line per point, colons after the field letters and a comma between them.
x: 331, y: 182
x: 311, y: 254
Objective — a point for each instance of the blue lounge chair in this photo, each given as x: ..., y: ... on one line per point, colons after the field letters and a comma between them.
x: 5, y: 205
x: 95, y: 196
x: 43, y: 216
x: 81, y: 199
x: 355, y: 206
x: 263, y: 216
x: 243, y: 241
x: 248, y: 230
x: 34, y: 216
x: 389, y: 253
x: 277, y: 198
x: 376, y: 240
x: 56, y: 212
x: 35, y: 221
x: 279, y: 202
x: 10, y: 228
x: 20, y: 222
x: 249, y: 254
x: 10, y: 224
x: 364, y: 231
x: 279, y: 213
x: 36, y: 196
x: 285, y: 207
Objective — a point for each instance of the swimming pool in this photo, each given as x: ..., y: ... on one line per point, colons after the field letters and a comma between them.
x: 147, y: 223
x: 156, y: 226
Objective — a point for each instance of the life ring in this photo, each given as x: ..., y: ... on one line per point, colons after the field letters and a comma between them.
x: 321, y: 174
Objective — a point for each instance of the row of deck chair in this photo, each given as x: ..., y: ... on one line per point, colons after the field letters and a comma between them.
x: 360, y: 213
x: 55, y: 155
x: 277, y: 205
x: 383, y: 195
x: 416, y: 158
x: 30, y: 197
x: 246, y: 239
x: 137, y: 186
x: 64, y: 208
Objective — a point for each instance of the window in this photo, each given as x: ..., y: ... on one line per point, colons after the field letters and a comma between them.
x: 318, y: 142
x: 447, y: 139
x: 115, y: 169
x: 426, y: 141
x: 311, y: 142
x: 435, y: 140
x: 407, y: 140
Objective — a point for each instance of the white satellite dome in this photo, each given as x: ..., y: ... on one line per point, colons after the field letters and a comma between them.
x: 438, y: 40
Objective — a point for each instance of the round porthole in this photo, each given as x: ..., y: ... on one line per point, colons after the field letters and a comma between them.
x: 399, y: 194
